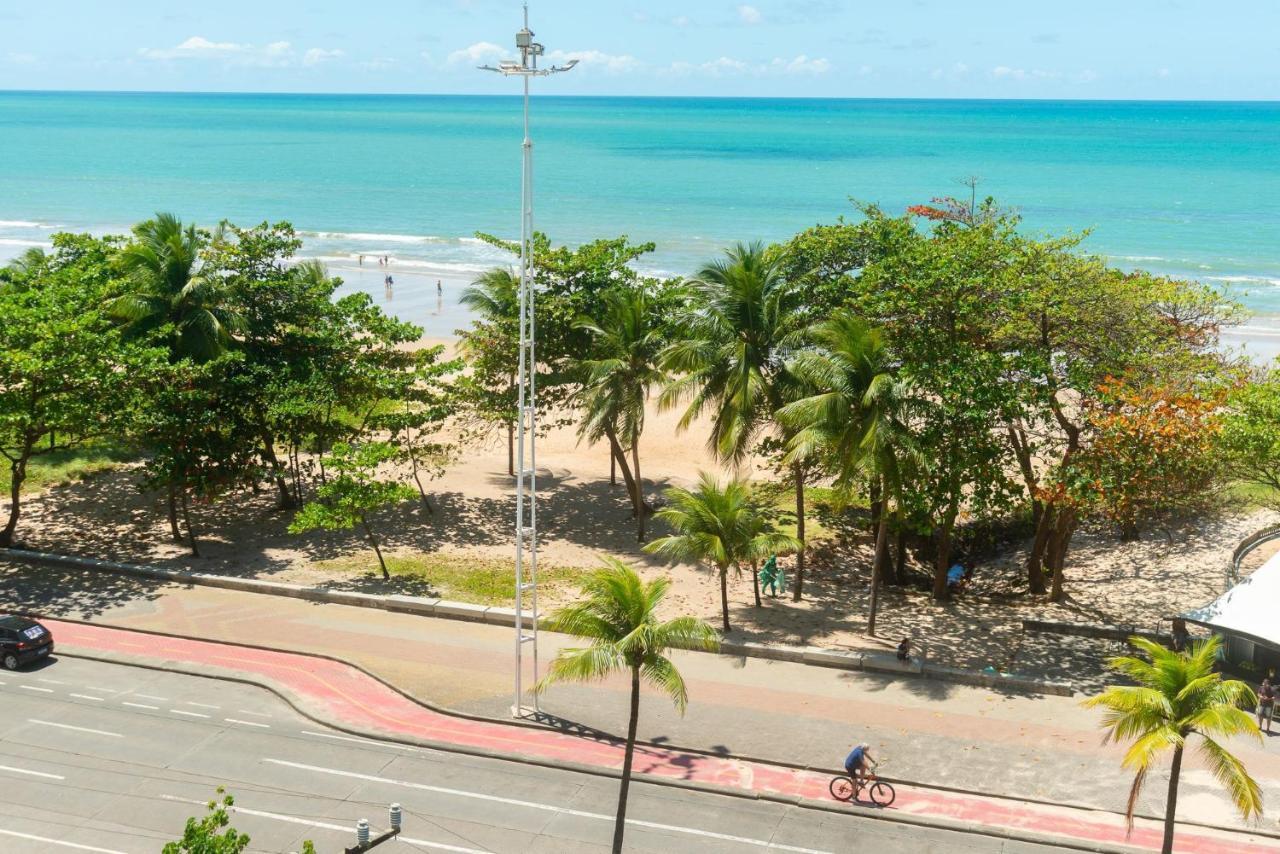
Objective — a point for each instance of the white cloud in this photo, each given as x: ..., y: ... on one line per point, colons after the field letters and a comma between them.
x: 1004, y: 72
x: 318, y: 55
x: 749, y: 14
x: 235, y: 53
x: 956, y: 71
x: 799, y: 65
x: 680, y: 21
x: 1162, y: 72
x: 609, y: 62
x: 477, y: 54
x: 20, y: 58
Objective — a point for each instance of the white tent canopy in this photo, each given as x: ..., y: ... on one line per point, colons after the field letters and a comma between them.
x: 1251, y: 609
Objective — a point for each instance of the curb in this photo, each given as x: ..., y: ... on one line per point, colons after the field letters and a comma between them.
x: 192, y: 670
x: 467, y: 612
x: 868, y: 812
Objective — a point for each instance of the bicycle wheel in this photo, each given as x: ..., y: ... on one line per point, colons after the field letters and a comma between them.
x: 841, y: 788
x: 882, y: 794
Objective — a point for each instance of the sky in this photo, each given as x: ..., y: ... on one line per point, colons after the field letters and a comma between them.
x: 1082, y: 49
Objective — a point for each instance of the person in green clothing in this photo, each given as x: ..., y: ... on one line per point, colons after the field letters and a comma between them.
x: 772, y: 578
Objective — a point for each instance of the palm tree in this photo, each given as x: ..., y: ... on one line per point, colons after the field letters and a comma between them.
x: 616, y: 383
x: 1178, y: 694
x: 717, y: 525
x: 741, y: 324
x: 495, y: 297
x: 856, y: 419
x: 168, y: 290
x: 618, y: 615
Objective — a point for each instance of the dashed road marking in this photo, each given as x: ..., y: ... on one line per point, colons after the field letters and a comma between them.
x: 49, y: 681
x: 87, y: 697
x: 246, y: 723
x: 75, y: 728
x: 189, y: 714
x: 36, y: 688
x: 32, y: 773
x: 76, y: 845
x: 200, y: 705
x: 140, y: 706
x: 253, y: 714
x: 152, y: 697
x: 370, y: 741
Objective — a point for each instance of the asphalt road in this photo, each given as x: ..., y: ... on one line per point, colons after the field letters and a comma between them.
x: 106, y: 758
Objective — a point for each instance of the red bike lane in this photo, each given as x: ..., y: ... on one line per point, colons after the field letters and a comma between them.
x: 350, y: 699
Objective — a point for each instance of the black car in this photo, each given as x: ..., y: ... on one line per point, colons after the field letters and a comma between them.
x: 23, y: 641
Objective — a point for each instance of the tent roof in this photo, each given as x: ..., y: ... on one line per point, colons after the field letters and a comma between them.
x: 1251, y: 608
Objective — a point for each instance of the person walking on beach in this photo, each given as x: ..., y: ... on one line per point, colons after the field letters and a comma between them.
x: 439, y: 288
x: 1266, y: 703
x: 361, y: 260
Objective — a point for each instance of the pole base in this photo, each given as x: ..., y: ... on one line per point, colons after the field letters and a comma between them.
x: 523, y: 711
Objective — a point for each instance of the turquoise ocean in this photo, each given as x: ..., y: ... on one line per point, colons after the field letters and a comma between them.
x: 1189, y: 189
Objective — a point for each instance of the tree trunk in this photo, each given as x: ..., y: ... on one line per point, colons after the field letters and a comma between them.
x: 942, y: 560
x: 724, y: 597
x: 620, y: 823
x: 174, y: 530
x: 287, y: 501
x: 798, y: 473
x: 511, y: 449
x: 373, y: 540
x: 873, y: 496
x: 17, y: 474
x: 1039, y: 545
x: 1171, y: 804
x: 755, y: 583
x: 627, y: 479
x: 1057, y: 552
x: 186, y: 519
x: 613, y: 469
x: 635, y: 465
x: 1129, y: 532
x: 422, y: 491
x: 899, y: 575
x: 881, y: 558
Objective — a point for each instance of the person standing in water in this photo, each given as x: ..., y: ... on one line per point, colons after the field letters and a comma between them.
x: 439, y: 288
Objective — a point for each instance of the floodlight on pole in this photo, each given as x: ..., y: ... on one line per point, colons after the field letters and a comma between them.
x: 526, y: 529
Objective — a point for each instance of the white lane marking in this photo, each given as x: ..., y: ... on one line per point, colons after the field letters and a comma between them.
x: 390, y: 744
x: 103, y: 690
x: 251, y: 714
x: 246, y: 723
x: 201, y: 705
x: 49, y: 681
x: 34, y: 688
x: 152, y: 697
x: 64, y: 844
x: 139, y: 705
x: 324, y: 825
x: 76, y: 728
x: 188, y: 714
x: 87, y: 697
x: 743, y: 840
x: 32, y: 773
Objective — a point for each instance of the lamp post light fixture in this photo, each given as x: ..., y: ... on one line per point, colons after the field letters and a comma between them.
x: 526, y: 396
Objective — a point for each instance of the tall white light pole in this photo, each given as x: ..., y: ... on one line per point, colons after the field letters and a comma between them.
x: 526, y: 402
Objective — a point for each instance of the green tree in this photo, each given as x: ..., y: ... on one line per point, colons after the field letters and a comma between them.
x: 1179, y: 695
x: 492, y: 348
x: 66, y: 377
x: 618, y: 614
x: 170, y: 295
x: 353, y: 492
x: 739, y: 328
x: 857, y: 420
x: 1250, y: 433
x: 617, y: 379
x: 720, y: 526
x: 211, y: 833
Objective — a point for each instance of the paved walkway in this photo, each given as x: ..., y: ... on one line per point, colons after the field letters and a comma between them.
x: 971, y: 739
x: 352, y: 700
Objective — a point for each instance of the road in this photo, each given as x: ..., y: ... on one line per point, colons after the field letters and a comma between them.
x: 105, y: 758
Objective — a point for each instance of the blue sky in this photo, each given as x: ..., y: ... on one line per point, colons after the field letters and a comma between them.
x: 1162, y: 49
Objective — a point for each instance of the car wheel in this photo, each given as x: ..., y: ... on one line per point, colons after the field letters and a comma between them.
x: 10, y: 661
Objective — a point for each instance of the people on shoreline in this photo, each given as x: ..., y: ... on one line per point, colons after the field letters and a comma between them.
x: 1266, y: 703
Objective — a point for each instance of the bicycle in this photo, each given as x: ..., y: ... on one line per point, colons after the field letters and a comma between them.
x: 845, y: 788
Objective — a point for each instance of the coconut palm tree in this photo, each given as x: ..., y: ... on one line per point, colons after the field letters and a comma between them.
x: 742, y: 323
x: 617, y: 614
x: 169, y: 290
x: 1178, y: 695
x: 495, y: 297
x: 617, y: 381
x: 720, y: 526
x: 856, y: 420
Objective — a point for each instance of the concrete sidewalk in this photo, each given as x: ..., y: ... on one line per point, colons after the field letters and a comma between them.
x: 943, y: 734
x: 344, y: 697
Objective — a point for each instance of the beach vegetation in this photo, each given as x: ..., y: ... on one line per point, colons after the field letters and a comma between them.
x: 1177, y: 695
x: 617, y: 614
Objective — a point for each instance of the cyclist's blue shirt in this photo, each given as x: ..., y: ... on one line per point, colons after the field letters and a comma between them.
x: 854, y: 759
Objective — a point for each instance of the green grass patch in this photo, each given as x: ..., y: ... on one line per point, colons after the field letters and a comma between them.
x: 1251, y: 496
x: 481, y: 581
x: 65, y: 467
x: 825, y: 518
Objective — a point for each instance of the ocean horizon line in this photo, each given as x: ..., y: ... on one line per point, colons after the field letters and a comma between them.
x: 879, y: 99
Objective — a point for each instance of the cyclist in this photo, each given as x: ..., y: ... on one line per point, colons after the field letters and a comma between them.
x: 856, y: 763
